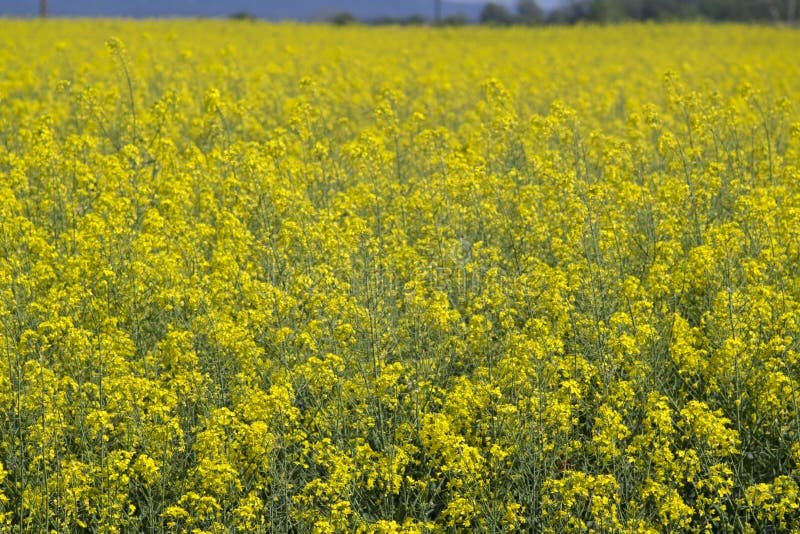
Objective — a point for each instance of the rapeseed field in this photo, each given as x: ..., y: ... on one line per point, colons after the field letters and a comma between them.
x: 288, y: 278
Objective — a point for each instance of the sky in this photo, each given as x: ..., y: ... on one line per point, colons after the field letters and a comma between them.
x: 271, y: 9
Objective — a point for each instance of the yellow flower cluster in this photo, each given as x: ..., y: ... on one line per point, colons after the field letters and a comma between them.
x: 286, y: 278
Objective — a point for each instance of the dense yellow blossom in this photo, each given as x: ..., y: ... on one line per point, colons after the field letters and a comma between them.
x: 291, y: 278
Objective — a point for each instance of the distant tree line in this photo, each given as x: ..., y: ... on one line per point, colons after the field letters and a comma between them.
x: 717, y: 10
x: 572, y: 11
x: 494, y: 13
x: 345, y: 18
x: 528, y: 12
